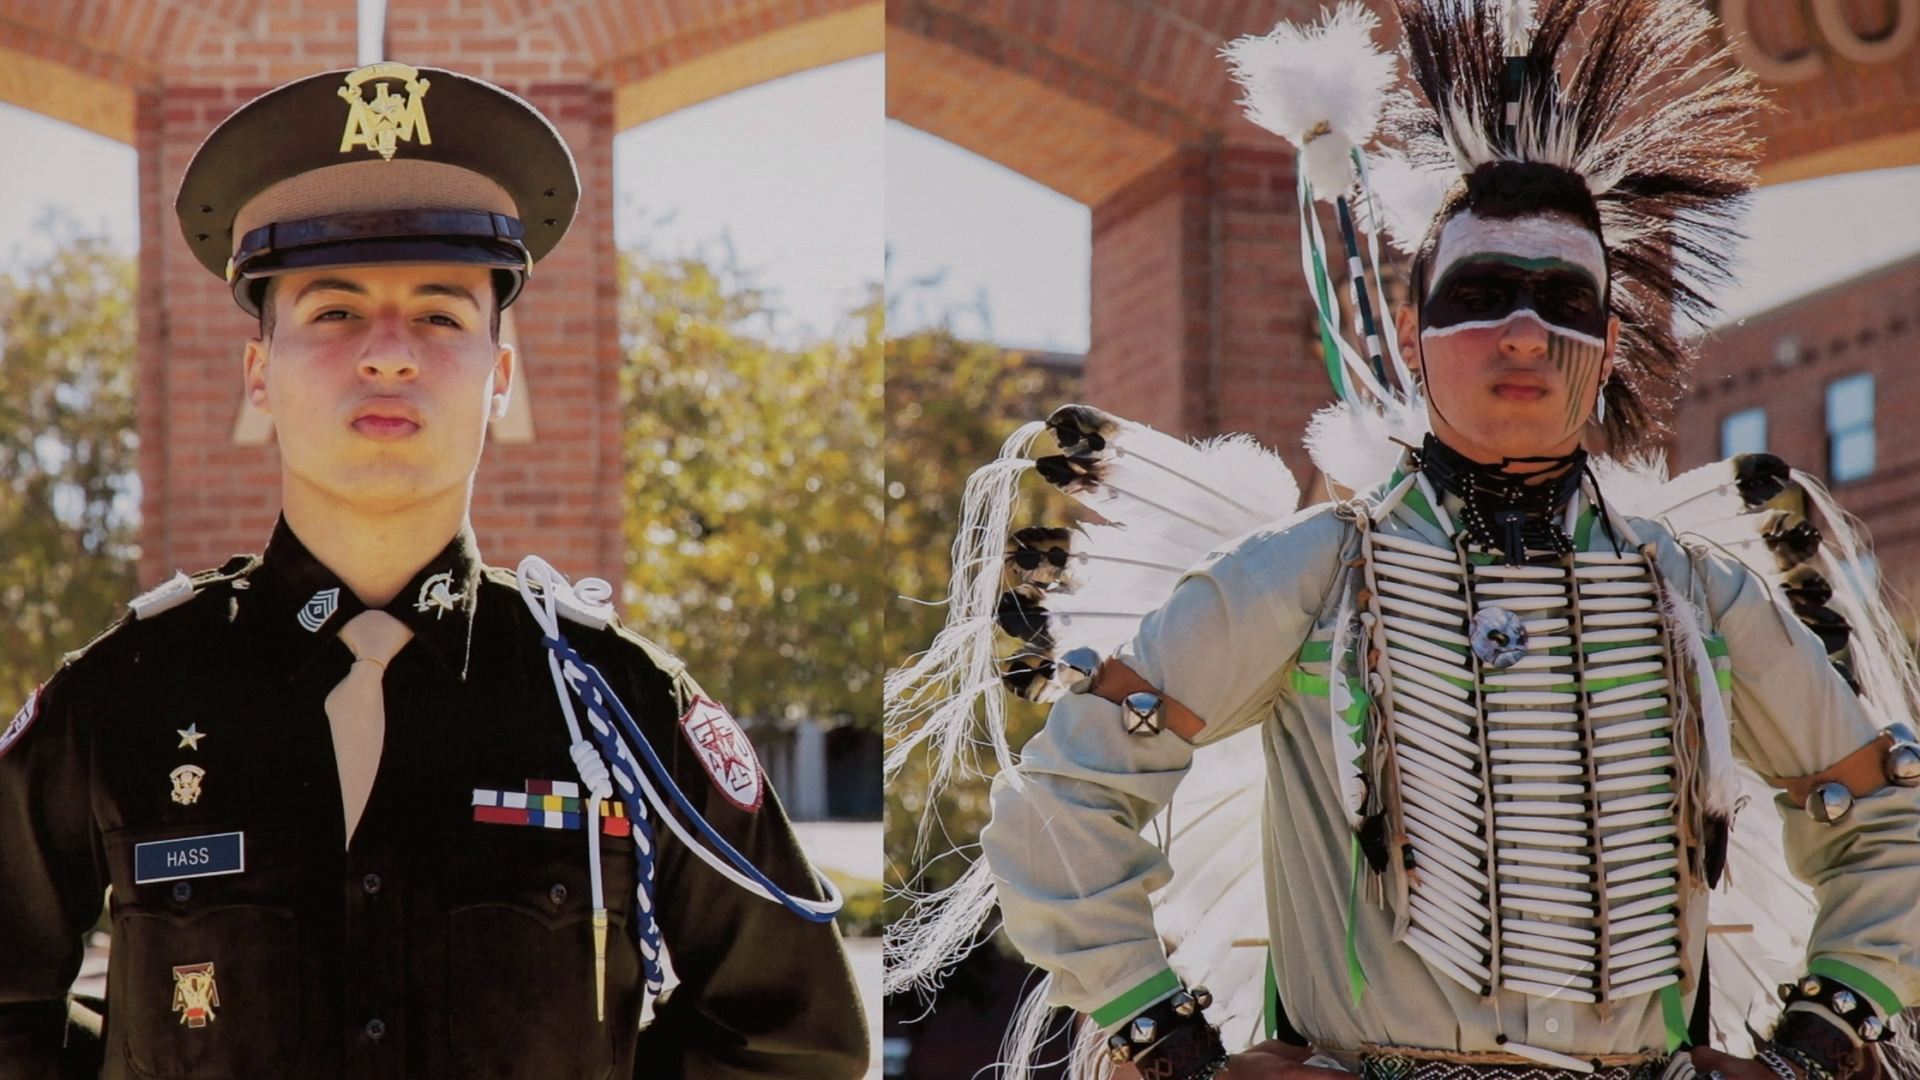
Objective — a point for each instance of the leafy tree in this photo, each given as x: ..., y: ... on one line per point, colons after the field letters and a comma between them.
x: 753, y: 493
x: 950, y: 404
x: 69, y: 487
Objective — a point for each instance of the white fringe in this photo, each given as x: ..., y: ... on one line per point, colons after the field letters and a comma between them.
x: 937, y: 930
x: 1721, y: 789
x: 933, y: 699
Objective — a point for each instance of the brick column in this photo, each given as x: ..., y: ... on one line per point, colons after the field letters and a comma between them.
x: 204, y: 496
x: 1201, y: 322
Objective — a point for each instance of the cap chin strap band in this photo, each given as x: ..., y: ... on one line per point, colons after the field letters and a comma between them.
x: 282, y: 236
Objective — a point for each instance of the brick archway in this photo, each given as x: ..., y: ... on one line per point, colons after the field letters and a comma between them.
x: 1201, y: 321
x: 159, y: 74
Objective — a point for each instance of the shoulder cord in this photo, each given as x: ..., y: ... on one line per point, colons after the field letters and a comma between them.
x: 615, y: 737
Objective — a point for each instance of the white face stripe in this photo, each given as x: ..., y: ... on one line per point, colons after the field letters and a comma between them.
x: 1537, y: 236
x: 1433, y: 334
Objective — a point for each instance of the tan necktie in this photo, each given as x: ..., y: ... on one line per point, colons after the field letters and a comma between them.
x: 356, y: 709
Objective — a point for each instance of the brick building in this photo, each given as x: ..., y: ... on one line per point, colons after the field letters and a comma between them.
x: 1827, y: 382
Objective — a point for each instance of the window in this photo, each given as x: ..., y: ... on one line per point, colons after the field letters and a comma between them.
x: 1850, y: 444
x: 1744, y: 432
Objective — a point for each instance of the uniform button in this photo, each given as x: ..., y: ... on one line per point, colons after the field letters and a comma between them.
x: 376, y: 1029
x: 182, y: 892
x: 371, y: 883
x: 1553, y: 1026
x: 558, y: 894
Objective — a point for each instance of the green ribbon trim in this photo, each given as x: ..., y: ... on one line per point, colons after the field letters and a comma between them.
x: 1131, y: 1002
x: 1716, y: 645
x: 1329, y: 346
x: 1356, y: 977
x: 1583, y: 529
x: 1414, y: 498
x: 1674, y: 1012
x: 1316, y: 652
x: 1841, y: 971
x: 1271, y: 1007
x: 1723, y: 679
x: 1307, y: 682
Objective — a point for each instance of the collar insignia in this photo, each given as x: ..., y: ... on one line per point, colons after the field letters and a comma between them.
x: 437, y: 595
x: 387, y: 120
x: 319, y: 608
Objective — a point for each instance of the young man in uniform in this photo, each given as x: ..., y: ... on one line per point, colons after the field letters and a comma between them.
x: 363, y: 806
x: 1498, y: 719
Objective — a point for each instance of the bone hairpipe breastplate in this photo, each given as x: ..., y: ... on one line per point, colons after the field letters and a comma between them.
x: 1524, y: 722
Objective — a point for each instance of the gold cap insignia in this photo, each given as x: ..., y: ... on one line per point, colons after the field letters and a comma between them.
x: 195, y: 994
x: 384, y: 122
x: 186, y: 784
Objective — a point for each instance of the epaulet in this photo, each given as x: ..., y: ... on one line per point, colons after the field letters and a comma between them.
x: 180, y: 588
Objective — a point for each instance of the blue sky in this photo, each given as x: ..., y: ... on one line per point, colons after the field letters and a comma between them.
x: 818, y: 196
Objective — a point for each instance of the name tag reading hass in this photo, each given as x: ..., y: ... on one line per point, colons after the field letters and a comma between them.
x: 189, y: 857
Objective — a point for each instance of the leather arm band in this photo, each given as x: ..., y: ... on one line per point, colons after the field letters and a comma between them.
x: 1115, y: 680
x: 1862, y: 772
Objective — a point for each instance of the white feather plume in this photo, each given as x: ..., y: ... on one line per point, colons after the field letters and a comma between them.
x: 1319, y: 86
x: 1354, y: 445
x: 1409, y: 194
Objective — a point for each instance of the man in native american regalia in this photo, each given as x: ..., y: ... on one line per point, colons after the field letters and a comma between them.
x: 1459, y: 752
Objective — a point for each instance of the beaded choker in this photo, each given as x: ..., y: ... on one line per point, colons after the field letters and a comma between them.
x: 1502, y: 510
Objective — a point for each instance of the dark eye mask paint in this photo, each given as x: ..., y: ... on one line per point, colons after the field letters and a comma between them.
x: 1487, y: 290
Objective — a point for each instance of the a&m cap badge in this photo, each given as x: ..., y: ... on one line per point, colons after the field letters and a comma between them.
x: 724, y: 752
x: 383, y: 123
x: 195, y: 995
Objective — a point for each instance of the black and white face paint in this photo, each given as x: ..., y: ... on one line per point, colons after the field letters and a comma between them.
x: 1547, y: 267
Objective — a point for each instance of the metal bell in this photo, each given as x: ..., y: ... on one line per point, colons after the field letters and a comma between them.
x: 1077, y: 668
x: 1183, y: 1004
x: 1203, y: 997
x: 1145, y: 714
x: 1811, y: 986
x: 1829, y: 803
x: 1903, y: 764
x: 1119, y: 1050
x: 1844, y: 1002
x: 1873, y: 1029
x: 1142, y: 1030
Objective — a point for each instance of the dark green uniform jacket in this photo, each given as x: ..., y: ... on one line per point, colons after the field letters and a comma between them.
x: 440, y: 944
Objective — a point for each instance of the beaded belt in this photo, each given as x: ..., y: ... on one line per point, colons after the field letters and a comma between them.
x: 1395, y: 1063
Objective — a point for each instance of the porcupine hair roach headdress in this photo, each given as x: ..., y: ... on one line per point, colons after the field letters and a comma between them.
x: 1642, y: 114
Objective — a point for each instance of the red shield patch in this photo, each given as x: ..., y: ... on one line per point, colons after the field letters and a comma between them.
x: 21, y: 721
x: 724, y: 752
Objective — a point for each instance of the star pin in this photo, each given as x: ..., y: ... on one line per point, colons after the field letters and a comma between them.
x: 190, y: 737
